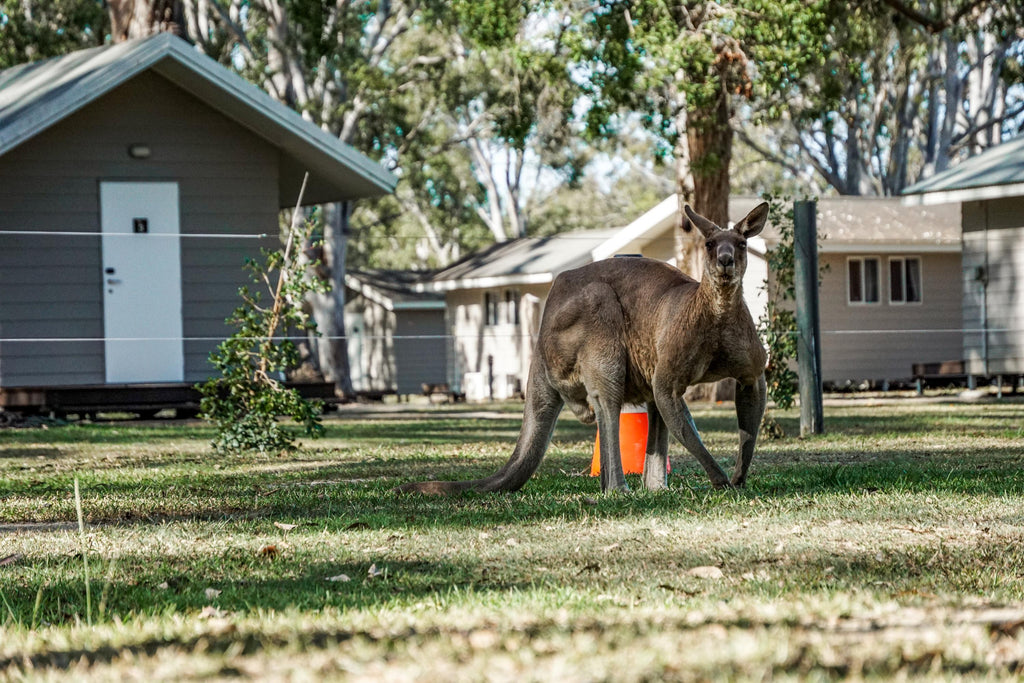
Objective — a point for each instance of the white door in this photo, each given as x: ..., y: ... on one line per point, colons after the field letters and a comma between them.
x: 141, y: 282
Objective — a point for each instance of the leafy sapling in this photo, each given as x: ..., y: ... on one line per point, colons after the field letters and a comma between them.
x: 246, y: 401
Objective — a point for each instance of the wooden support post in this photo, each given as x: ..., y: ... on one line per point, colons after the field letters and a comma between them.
x: 805, y: 247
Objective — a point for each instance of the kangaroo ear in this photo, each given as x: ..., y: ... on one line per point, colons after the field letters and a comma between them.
x: 753, y: 222
x: 706, y: 227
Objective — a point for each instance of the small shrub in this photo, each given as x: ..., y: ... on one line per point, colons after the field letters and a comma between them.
x: 246, y: 400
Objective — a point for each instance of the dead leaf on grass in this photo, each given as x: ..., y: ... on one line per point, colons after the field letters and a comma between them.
x: 10, y: 559
x: 211, y: 593
x: 269, y: 552
x: 374, y: 571
x: 340, y: 578
x: 211, y: 612
x: 709, y: 572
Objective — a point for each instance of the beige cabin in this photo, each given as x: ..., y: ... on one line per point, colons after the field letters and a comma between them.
x: 990, y: 187
x: 890, y: 293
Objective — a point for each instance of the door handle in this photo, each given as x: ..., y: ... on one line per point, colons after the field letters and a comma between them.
x: 113, y: 281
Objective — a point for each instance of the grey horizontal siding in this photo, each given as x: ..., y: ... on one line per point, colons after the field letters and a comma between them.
x: 212, y: 273
x: 91, y: 310
x: 52, y: 285
x: 879, y: 342
x: 50, y: 363
x: 42, y: 301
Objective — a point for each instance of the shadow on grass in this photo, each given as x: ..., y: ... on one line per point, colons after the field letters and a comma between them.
x: 336, y: 497
x: 303, y: 582
x: 355, y: 484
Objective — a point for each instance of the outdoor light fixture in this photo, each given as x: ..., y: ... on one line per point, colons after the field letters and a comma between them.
x: 139, y: 151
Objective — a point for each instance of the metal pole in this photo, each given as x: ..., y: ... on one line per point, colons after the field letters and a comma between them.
x: 808, y: 321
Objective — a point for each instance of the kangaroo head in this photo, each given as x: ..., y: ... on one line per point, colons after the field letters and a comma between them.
x: 726, y: 250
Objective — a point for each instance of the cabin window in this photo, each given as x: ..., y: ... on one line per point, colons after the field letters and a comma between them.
x: 905, y: 280
x: 512, y: 306
x: 862, y: 280
x: 491, y: 308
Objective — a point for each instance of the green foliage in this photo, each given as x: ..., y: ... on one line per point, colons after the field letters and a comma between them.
x: 659, y: 58
x: 248, y: 397
x: 33, y: 29
x: 777, y: 325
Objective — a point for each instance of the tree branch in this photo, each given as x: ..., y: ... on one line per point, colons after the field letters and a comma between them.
x: 932, y: 24
x: 962, y: 138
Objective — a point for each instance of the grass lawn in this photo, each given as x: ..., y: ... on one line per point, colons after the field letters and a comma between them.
x: 891, y: 546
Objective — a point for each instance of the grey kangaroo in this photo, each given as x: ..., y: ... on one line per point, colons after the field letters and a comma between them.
x: 637, y: 330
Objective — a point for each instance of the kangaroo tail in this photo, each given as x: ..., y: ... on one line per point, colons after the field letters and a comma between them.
x: 542, y: 407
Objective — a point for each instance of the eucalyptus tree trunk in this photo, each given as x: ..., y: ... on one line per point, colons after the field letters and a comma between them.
x: 710, y: 140
x: 130, y: 19
x: 703, y: 155
x: 329, y: 308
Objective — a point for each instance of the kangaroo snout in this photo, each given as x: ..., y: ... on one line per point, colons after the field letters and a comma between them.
x: 726, y: 262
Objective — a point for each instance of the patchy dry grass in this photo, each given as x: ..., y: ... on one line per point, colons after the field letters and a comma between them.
x: 892, y: 546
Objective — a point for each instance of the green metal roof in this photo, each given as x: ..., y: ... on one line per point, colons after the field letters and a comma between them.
x: 996, y: 172
x: 38, y: 95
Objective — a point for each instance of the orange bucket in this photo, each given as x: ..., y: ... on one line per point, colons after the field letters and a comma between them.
x: 632, y: 444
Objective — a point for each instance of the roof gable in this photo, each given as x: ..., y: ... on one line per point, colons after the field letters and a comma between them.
x: 34, y: 97
x: 528, y: 260
x: 996, y: 172
x: 848, y: 223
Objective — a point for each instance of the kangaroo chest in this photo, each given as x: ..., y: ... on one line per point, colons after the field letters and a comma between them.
x: 721, y: 351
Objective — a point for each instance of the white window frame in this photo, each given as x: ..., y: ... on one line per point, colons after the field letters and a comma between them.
x: 903, y: 274
x: 858, y: 262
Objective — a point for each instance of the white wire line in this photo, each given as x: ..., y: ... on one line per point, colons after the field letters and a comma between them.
x: 49, y: 340
x: 424, y: 337
x: 71, y: 233
x: 83, y: 233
